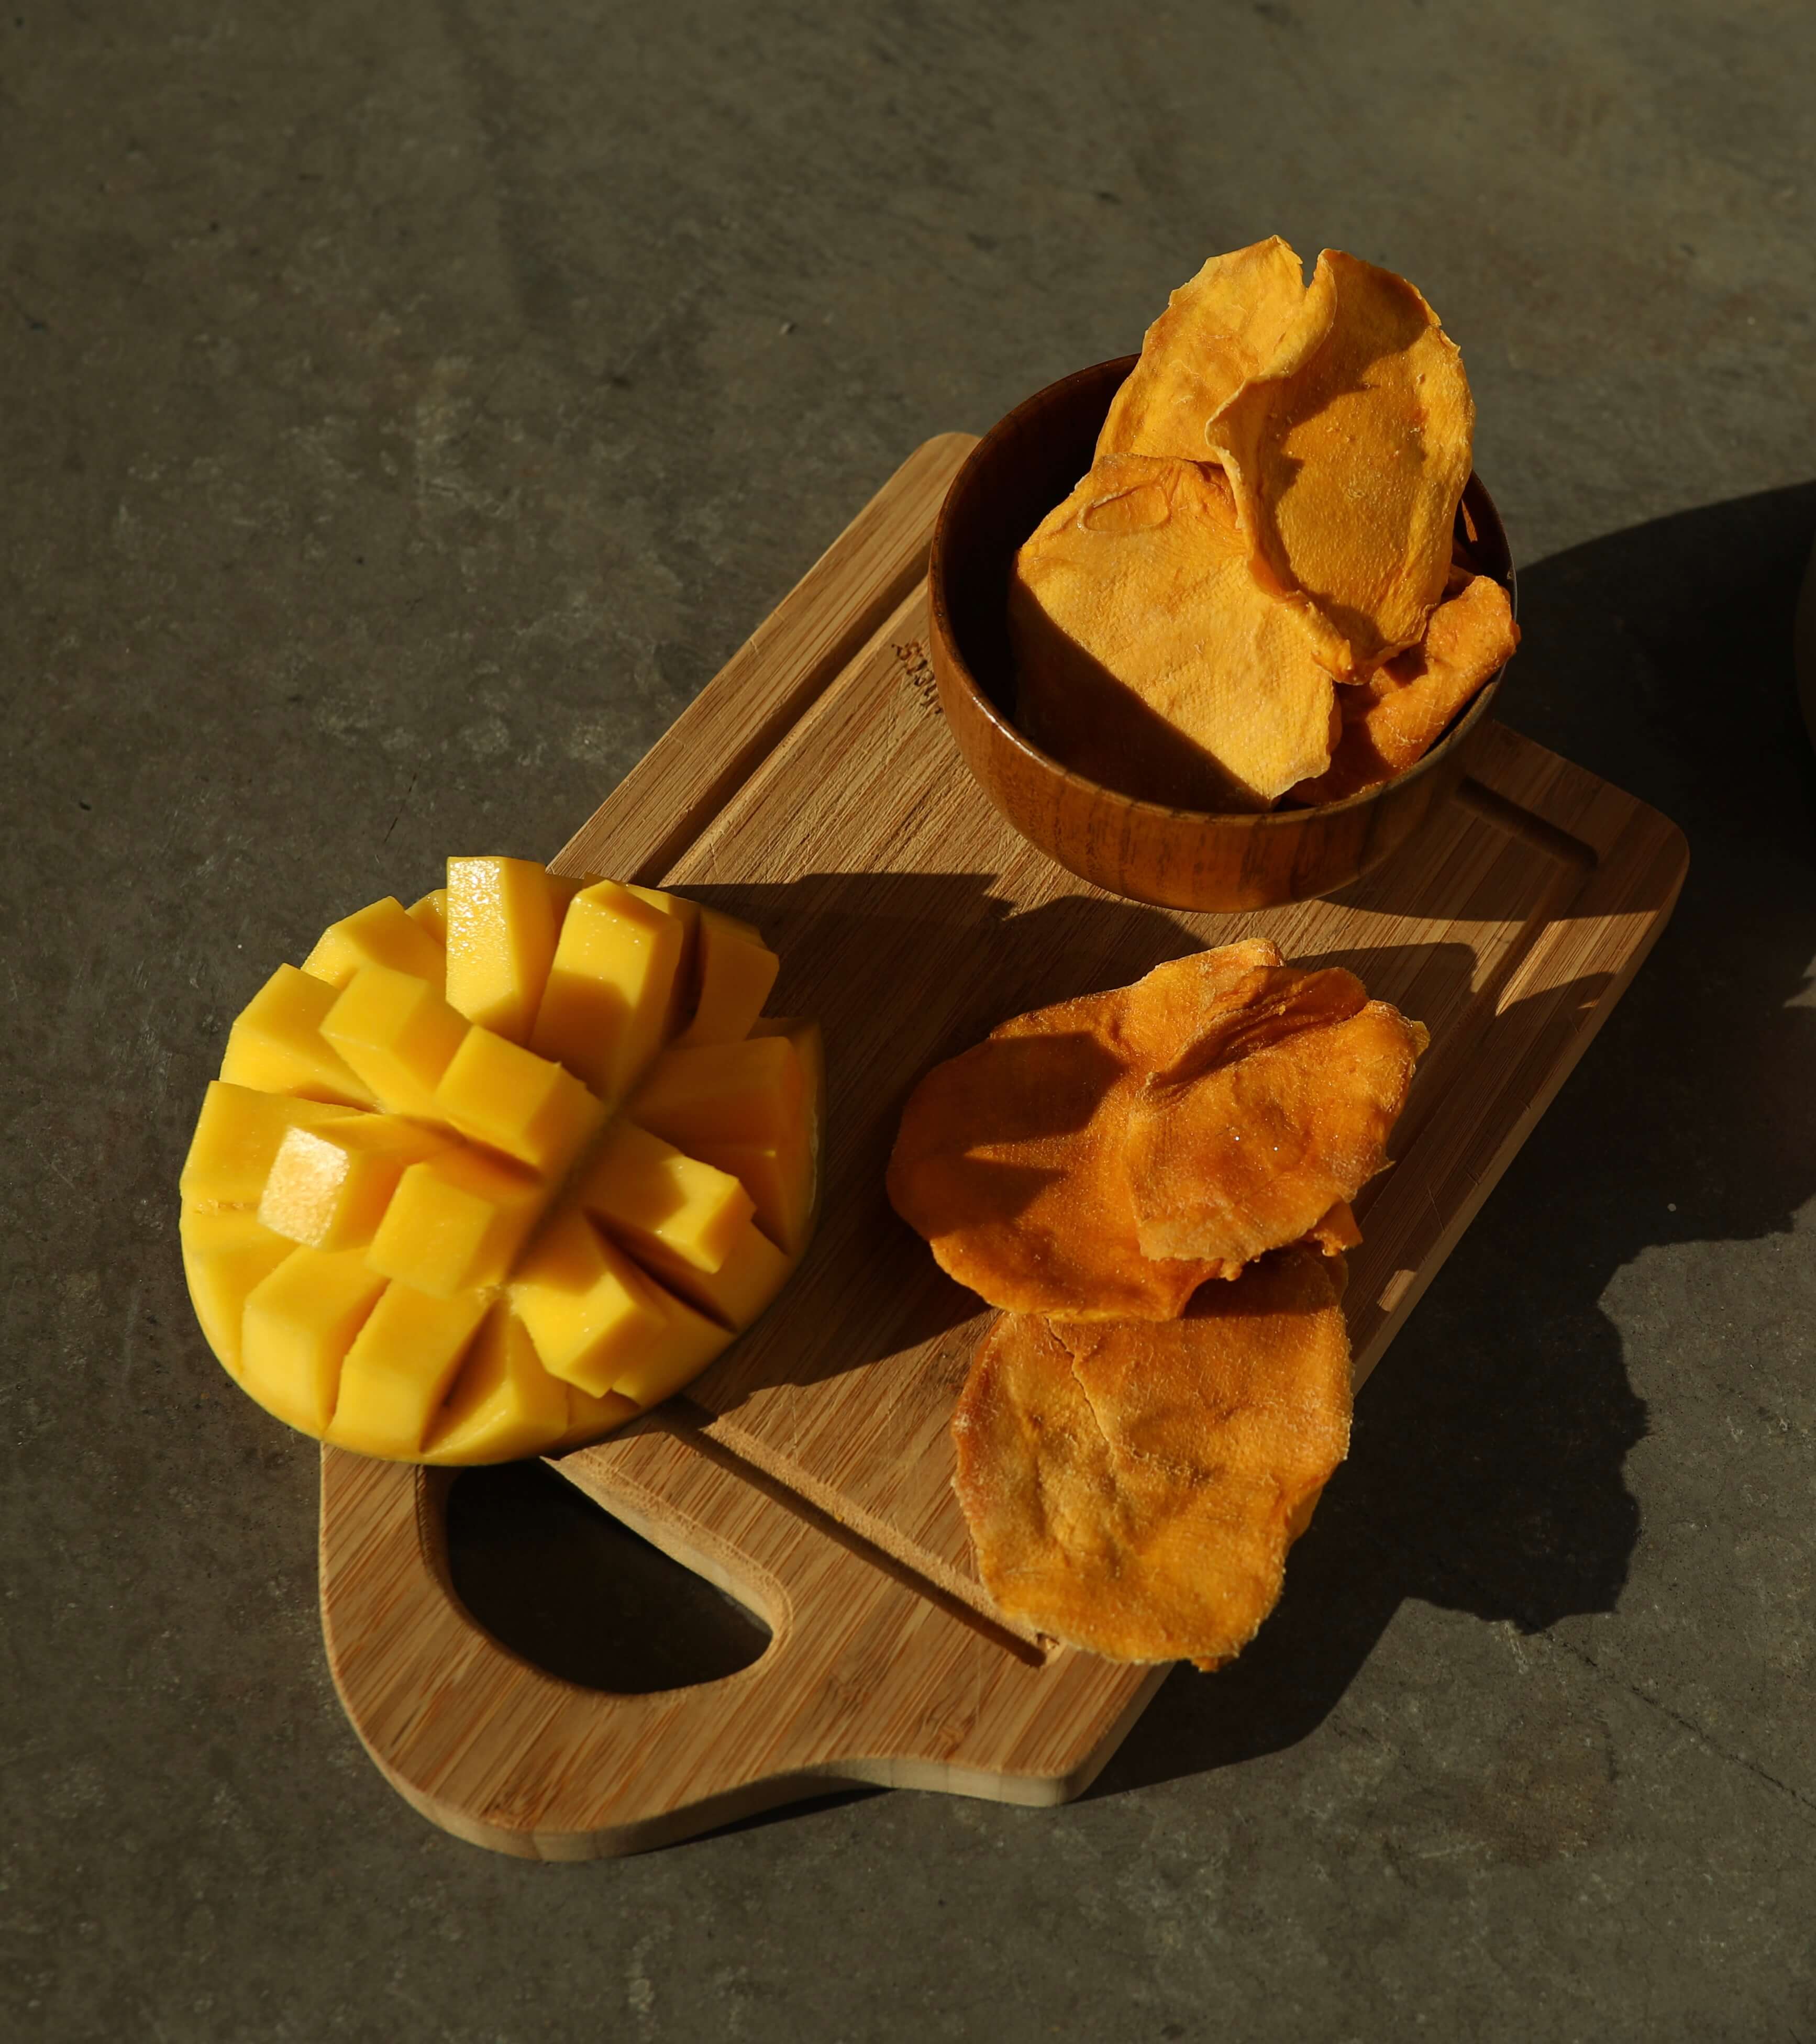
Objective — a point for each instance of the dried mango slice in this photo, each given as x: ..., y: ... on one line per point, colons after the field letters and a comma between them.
x: 1394, y: 718
x: 1280, y: 1111
x: 1010, y: 1158
x: 1131, y: 1487
x: 1218, y: 331
x: 1347, y: 455
x: 1149, y: 659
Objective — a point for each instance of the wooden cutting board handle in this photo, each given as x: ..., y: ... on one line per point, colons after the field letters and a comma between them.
x: 495, y: 1749
x: 505, y: 1755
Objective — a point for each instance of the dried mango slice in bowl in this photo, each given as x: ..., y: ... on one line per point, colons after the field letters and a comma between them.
x: 489, y: 1175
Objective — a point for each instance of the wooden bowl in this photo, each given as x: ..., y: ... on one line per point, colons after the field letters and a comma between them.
x: 1178, y: 858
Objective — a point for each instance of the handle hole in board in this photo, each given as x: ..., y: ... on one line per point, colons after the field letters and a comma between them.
x: 556, y: 1579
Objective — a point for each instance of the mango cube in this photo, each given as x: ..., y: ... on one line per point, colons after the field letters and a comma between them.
x: 596, y: 1319
x: 504, y: 1404
x: 277, y: 1046
x: 611, y: 988
x: 457, y: 1222
x: 734, y: 972
x: 431, y: 911
x: 752, y: 1274
x: 502, y: 919
x: 298, y: 1324
x: 383, y: 934
x: 226, y: 1253
x: 499, y: 1093
x: 399, y: 1367
x: 398, y: 1034
x: 236, y: 1138
x: 328, y: 1187
x: 646, y: 1192
x: 781, y: 1177
x: 751, y: 1092
x: 682, y: 995
x: 612, y: 985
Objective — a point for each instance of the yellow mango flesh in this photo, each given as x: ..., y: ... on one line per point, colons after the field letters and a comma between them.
x: 298, y: 1326
x: 277, y: 1046
x: 751, y: 1091
x: 328, y: 1187
x: 236, y: 1139
x: 502, y: 920
x: 398, y: 1034
x: 226, y: 1253
x: 610, y: 994
x: 383, y: 934
x: 752, y: 1271
x: 588, y: 1418
x: 506, y: 1403
x: 399, y: 1369
x: 431, y: 911
x: 735, y: 972
x: 682, y: 989
x: 648, y: 1195
x: 410, y: 1235
x: 598, y: 1321
x: 508, y: 1098
x: 457, y: 1222
x: 781, y: 1177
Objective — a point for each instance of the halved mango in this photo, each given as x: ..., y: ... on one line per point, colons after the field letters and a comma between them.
x: 411, y: 1232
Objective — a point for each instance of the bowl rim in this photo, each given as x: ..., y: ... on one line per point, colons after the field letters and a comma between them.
x: 1164, y: 811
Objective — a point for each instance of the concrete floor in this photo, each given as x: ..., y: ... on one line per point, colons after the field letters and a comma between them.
x: 406, y: 409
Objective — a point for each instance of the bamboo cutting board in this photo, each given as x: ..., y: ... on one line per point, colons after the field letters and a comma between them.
x: 813, y: 788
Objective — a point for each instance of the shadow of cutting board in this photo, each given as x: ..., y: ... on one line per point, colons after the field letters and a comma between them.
x: 813, y: 788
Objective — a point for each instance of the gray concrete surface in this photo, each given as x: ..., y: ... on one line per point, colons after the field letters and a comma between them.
x: 402, y: 411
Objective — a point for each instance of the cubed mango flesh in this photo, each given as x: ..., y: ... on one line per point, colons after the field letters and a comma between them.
x: 298, y: 1326
x: 411, y: 1232
x: 645, y: 1193
x: 457, y: 1222
x: 398, y: 1034
x: 589, y: 1309
x: 496, y: 1092
x: 226, y: 1253
x: 610, y: 994
x: 236, y: 1141
x: 276, y: 1045
x: 399, y: 1369
x: 504, y: 1404
x: 501, y: 922
x: 683, y: 993
x: 751, y: 1091
x: 589, y: 1417
x: 734, y: 971
x: 328, y: 1187
x: 431, y: 911
x: 602, y: 1323
x: 384, y: 933
x: 781, y: 1177
x: 752, y: 1271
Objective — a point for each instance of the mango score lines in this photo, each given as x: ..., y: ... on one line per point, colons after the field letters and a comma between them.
x: 489, y: 1175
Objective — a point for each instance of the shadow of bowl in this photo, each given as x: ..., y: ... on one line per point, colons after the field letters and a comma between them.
x: 1144, y: 851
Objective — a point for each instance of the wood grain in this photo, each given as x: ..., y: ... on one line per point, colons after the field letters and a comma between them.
x: 809, y: 1472
x: 1144, y: 849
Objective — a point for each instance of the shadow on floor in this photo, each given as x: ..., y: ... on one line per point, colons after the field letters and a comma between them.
x: 1485, y: 1472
